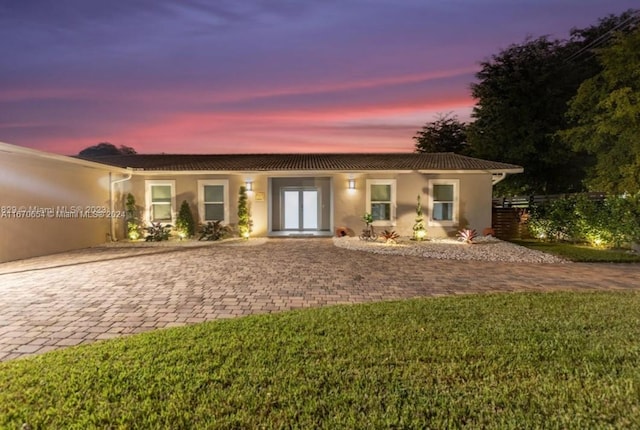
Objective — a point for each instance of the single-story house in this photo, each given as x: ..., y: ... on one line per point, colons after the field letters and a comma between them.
x: 314, y: 194
x: 289, y: 194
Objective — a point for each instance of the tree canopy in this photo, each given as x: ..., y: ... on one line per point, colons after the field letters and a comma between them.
x: 106, y: 148
x: 605, y: 115
x: 445, y: 134
x: 522, y: 96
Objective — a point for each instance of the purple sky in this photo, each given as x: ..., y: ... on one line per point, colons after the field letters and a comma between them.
x: 254, y: 76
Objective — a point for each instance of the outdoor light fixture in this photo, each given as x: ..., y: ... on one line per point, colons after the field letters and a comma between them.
x: 351, y: 184
x: 249, y: 185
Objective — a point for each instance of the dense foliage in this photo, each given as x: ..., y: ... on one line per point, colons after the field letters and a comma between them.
x: 606, y: 117
x: 106, y: 148
x: 612, y: 222
x: 445, y: 134
x: 522, y: 96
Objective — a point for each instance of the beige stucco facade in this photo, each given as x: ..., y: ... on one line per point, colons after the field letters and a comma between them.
x: 339, y: 206
x: 51, y: 203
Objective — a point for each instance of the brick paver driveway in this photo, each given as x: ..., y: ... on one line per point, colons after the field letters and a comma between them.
x: 99, y: 293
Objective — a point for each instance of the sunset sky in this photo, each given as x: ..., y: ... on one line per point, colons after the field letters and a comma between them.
x: 250, y: 76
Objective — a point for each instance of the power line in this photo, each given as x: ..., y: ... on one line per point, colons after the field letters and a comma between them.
x: 605, y: 37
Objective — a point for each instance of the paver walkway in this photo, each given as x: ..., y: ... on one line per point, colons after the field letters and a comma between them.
x: 99, y: 293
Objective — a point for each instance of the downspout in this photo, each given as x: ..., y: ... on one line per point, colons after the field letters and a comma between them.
x: 495, y: 178
x: 112, y: 203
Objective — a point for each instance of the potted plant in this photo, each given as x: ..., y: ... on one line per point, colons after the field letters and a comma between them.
x: 368, y: 233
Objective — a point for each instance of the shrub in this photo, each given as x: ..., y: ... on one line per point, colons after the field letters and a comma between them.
x: 158, y: 232
x: 214, y: 231
x: 185, y: 226
x: 419, y: 231
x: 132, y: 218
x: 609, y: 223
x: 244, y: 218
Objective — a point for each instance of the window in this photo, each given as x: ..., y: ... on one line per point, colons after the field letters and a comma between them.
x: 160, y: 199
x: 381, y: 200
x: 213, y: 200
x: 443, y: 199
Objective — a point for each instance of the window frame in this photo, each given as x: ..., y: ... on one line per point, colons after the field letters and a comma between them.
x: 456, y: 202
x: 225, y: 195
x: 148, y: 185
x: 393, y: 202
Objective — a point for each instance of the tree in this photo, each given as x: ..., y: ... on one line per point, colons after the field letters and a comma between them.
x: 185, y: 225
x: 521, y: 100
x: 244, y: 218
x: 106, y: 148
x: 522, y: 95
x: 605, y: 115
x: 445, y: 134
x: 132, y: 218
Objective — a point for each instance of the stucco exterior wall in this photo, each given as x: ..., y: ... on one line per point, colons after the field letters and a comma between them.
x: 348, y: 206
x: 474, y: 203
x: 187, y: 189
x: 50, y: 204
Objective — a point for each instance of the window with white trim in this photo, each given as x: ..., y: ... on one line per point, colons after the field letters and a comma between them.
x: 160, y: 199
x: 443, y: 201
x: 213, y: 200
x: 381, y: 201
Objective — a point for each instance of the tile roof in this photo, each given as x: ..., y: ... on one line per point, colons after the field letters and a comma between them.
x: 301, y: 162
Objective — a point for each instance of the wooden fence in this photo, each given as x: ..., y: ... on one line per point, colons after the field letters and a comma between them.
x: 529, y: 201
x: 510, y: 214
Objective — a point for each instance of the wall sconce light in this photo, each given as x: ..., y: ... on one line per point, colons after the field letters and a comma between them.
x: 351, y: 184
x: 248, y: 185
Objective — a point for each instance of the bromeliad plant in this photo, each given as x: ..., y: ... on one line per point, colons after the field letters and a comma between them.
x: 389, y: 236
x: 157, y: 232
x: 214, y: 230
x: 467, y: 235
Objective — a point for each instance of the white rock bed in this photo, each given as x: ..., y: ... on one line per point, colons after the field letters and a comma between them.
x: 484, y: 249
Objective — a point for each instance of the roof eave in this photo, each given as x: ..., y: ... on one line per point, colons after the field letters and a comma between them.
x: 441, y: 171
x: 15, y: 149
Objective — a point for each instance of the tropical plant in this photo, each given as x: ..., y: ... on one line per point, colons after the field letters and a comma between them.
x: 367, y: 218
x: 389, y: 236
x: 467, y: 235
x: 419, y: 231
x: 185, y: 225
x: 132, y: 218
x: 244, y: 217
x: 157, y: 232
x: 214, y: 230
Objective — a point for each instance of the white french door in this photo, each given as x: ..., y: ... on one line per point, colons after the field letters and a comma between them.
x: 300, y: 209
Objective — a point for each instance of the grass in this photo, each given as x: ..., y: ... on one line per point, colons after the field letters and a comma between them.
x: 581, y: 253
x: 558, y: 360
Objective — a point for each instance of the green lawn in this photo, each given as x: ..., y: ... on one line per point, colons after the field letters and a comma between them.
x: 581, y: 253
x: 557, y: 360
